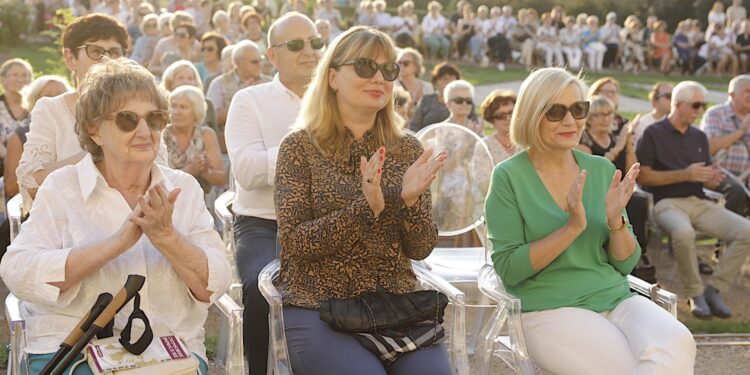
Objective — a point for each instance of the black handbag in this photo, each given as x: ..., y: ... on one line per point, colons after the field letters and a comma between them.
x: 389, y: 325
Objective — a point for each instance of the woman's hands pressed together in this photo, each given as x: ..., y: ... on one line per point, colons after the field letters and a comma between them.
x: 156, y: 218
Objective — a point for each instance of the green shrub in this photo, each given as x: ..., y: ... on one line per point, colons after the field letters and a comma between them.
x: 14, y: 21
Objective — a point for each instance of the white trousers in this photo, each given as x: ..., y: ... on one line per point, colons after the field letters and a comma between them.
x: 595, y: 52
x: 636, y: 337
x: 574, y: 55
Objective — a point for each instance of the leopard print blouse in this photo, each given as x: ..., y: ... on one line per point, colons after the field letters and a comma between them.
x: 332, y: 246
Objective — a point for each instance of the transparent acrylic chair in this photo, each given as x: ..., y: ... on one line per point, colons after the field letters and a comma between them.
x: 502, y: 337
x: 229, y: 351
x: 458, y: 194
x: 16, y: 323
x: 278, y: 355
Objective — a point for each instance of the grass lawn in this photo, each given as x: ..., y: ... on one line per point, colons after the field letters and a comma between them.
x: 632, y: 85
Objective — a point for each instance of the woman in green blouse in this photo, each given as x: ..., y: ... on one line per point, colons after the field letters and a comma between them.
x: 562, y: 244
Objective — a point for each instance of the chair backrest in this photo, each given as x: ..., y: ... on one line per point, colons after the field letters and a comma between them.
x: 15, y: 213
x: 460, y: 187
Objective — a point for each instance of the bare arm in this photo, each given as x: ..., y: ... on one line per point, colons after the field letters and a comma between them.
x: 651, y: 177
x: 190, y: 262
x: 717, y: 144
x: 12, y: 157
x: 215, y: 174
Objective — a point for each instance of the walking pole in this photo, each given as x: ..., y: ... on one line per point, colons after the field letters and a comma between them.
x: 101, y: 302
x: 132, y: 286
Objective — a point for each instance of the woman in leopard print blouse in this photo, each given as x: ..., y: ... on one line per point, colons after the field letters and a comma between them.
x: 353, y: 206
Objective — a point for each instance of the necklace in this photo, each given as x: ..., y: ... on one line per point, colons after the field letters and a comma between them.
x: 507, y: 146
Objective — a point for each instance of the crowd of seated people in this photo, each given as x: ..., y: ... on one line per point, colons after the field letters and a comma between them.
x: 479, y: 34
x: 233, y: 79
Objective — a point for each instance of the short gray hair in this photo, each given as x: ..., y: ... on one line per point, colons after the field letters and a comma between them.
x: 737, y: 83
x: 685, y: 91
x: 32, y: 91
x: 241, y: 47
x: 196, y: 98
x: 146, y: 19
x: 457, y: 85
x: 219, y: 14
x: 167, y: 78
x: 107, y: 87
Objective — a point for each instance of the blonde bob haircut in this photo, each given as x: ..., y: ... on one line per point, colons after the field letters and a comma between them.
x: 104, y: 90
x: 319, y: 115
x: 537, y: 94
x: 196, y: 98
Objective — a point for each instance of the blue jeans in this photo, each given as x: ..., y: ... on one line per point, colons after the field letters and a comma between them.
x: 38, y: 361
x: 255, y: 240
x: 316, y: 349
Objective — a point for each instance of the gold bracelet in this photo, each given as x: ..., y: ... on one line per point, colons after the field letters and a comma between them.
x: 613, y: 231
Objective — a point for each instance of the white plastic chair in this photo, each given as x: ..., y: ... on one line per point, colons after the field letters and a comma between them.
x: 458, y: 194
x: 278, y: 354
x: 229, y: 352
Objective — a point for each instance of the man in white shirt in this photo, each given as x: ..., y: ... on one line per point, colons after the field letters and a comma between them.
x: 259, y: 117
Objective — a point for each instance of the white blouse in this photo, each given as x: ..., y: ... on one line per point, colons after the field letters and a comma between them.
x: 434, y: 26
x: 51, y: 137
x: 74, y: 207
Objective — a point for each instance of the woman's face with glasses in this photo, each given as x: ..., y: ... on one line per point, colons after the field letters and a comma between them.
x: 502, y: 116
x: 81, y: 59
x: 459, y: 102
x: 601, y: 119
x: 560, y: 129
x: 132, y: 133
x: 408, y: 65
x: 210, y: 51
x: 363, y: 83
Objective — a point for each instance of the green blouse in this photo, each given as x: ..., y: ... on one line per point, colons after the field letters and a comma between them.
x: 519, y: 210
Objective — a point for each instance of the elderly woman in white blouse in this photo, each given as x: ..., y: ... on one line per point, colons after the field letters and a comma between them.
x: 51, y: 142
x: 112, y: 214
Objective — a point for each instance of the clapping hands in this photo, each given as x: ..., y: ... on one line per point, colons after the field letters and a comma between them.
x: 415, y: 181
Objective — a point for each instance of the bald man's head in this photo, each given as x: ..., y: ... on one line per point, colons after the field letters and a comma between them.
x: 282, y: 26
x: 294, y: 64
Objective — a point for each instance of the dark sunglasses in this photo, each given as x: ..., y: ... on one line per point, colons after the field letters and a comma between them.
x: 667, y: 95
x: 404, y: 63
x: 127, y: 121
x: 698, y: 105
x: 578, y: 110
x: 296, y: 45
x: 460, y: 101
x: 182, y: 35
x: 96, y: 53
x: 208, y: 49
x: 500, y: 116
x: 366, y: 68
